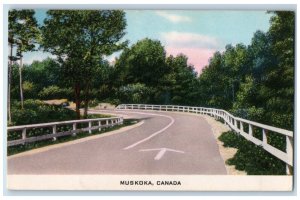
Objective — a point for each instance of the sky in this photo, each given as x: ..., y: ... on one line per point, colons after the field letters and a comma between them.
x: 195, y: 33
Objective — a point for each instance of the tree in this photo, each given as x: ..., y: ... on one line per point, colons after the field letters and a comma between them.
x: 144, y: 63
x: 279, y: 84
x: 28, y: 37
x: 79, y: 39
x: 24, y: 34
x: 181, y: 81
x: 13, y: 26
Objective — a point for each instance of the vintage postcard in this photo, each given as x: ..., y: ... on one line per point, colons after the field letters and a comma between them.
x: 150, y: 100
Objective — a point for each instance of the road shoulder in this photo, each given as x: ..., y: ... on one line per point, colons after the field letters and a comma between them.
x: 226, y: 152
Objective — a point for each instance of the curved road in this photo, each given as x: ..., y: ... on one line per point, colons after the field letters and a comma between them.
x: 165, y: 143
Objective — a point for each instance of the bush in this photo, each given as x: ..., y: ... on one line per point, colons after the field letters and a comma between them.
x: 252, y: 158
x: 36, y: 111
x: 135, y: 93
x: 55, y: 92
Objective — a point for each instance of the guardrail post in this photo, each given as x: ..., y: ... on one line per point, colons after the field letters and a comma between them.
x: 241, y: 127
x: 90, y: 126
x: 74, y: 129
x: 159, y: 108
x: 24, y: 134
x: 54, y: 132
x: 99, y: 124
x: 235, y: 123
x: 289, y: 152
x: 265, y: 138
x: 250, y: 130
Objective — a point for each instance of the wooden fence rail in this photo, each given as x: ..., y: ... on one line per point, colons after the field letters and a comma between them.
x: 57, y: 129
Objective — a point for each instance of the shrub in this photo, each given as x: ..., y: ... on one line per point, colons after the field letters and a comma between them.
x: 55, y: 92
x: 251, y: 158
x: 135, y: 93
x: 36, y: 111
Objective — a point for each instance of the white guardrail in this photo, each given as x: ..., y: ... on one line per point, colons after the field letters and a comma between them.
x: 235, y: 123
x: 50, y: 130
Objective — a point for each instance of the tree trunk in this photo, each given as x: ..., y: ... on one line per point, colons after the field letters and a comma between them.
x: 86, y: 101
x: 9, y: 83
x: 21, y: 82
x: 77, y: 99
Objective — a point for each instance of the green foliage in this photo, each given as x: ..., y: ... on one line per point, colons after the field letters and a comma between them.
x: 144, y: 63
x: 54, y: 92
x: 37, y: 76
x: 36, y: 111
x: 180, y: 82
x: 251, y: 158
x: 44, y: 73
x: 169, y: 80
x: 135, y: 93
x: 255, y: 82
x: 23, y: 31
x: 79, y: 39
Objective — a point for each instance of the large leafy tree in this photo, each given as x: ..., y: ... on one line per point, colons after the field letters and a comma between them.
x: 79, y: 39
x: 180, y: 82
x: 279, y: 84
x: 144, y: 63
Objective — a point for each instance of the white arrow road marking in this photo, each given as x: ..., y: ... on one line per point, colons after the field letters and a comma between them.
x: 161, y: 152
x: 153, y: 134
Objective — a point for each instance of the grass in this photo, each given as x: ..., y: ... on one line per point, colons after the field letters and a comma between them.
x: 29, y: 146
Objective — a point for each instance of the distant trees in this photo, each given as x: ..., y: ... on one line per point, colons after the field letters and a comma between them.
x: 79, y: 39
x: 144, y: 67
x: 255, y: 82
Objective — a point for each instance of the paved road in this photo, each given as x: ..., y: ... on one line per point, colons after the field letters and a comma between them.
x: 166, y: 143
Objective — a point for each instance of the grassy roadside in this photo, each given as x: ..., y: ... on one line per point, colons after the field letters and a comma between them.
x: 29, y: 146
x: 251, y: 158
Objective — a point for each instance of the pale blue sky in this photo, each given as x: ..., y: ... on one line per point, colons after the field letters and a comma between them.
x: 195, y: 33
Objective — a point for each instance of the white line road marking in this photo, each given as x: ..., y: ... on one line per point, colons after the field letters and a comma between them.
x: 153, y: 134
x: 161, y: 152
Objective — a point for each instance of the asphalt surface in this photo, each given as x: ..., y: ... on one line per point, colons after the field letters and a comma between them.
x: 166, y: 143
